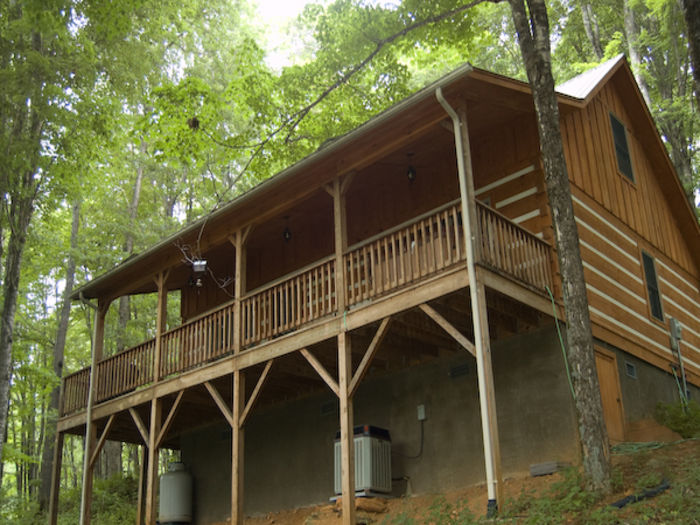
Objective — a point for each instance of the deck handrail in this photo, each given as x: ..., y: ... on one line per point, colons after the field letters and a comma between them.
x: 125, y: 371
x: 287, y: 305
x: 397, y: 257
x: 418, y: 249
x: 516, y: 252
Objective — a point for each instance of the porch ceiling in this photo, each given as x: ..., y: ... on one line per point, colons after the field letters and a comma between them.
x: 490, y: 100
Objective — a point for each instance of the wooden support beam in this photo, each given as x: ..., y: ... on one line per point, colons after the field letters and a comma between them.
x: 169, y: 419
x: 449, y: 328
x: 100, y: 442
x: 255, y: 393
x: 142, y: 486
x: 477, y: 293
x: 363, y: 367
x: 88, y: 472
x: 90, y: 429
x: 56, y: 478
x: 237, y: 449
x: 341, y: 243
x: 139, y: 425
x: 347, y: 438
x: 346, y: 181
x: 321, y: 370
x: 239, y: 240
x: 220, y: 403
x: 161, y: 318
x: 152, y: 472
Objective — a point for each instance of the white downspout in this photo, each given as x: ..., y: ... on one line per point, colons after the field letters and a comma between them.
x: 471, y: 269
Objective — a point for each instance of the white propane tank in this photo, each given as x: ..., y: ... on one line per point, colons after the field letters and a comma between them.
x: 175, y: 505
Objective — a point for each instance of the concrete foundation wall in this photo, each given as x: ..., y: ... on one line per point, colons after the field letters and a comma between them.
x: 289, y: 448
x: 651, y: 385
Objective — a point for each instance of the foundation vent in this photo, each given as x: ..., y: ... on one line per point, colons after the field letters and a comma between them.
x: 372, y: 460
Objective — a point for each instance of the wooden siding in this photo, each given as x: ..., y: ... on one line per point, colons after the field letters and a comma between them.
x: 590, y: 156
x: 617, y: 291
x: 508, y: 175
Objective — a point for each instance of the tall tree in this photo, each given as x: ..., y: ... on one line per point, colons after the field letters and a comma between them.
x: 532, y: 25
x: 691, y: 13
x: 58, y: 352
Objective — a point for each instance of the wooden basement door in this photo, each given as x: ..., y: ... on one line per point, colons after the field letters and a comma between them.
x: 606, y: 364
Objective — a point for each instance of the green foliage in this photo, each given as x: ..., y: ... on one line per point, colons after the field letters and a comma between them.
x: 682, y: 419
x: 442, y: 512
x: 567, y: 497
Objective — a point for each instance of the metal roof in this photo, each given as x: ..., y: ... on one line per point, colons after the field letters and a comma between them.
x: 584, y: 84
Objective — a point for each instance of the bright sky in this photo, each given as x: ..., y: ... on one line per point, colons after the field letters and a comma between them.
x: 274, y: 16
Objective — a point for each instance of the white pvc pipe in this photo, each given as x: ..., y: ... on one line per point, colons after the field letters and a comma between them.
x: 471, y: 269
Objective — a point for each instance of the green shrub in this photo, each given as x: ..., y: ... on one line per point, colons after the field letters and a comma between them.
x: 682, y: 420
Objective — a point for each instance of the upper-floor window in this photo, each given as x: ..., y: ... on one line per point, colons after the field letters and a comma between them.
x: 622, y: 151
x: 652, y: 286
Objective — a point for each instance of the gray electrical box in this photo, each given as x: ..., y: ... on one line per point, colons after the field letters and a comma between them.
x: 675, y: 328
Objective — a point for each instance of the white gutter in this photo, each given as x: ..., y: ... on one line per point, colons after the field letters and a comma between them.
x: 468, y: 229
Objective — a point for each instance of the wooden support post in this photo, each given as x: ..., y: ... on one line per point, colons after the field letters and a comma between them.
x: 238, y: 448
x: 90, y: 429
x: 489, y: 388
x: 347, y: 437
x: 142, y: 485
x: 238, y: 396
x: 482, y: 341
x: 482, y: 345
x: 340, y: 235
x: 238, y: 240
x: 161, y: 318
x: 152, y: 471
x: 56, y: 478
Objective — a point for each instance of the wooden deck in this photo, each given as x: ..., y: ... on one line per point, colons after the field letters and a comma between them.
x: 403, y: 256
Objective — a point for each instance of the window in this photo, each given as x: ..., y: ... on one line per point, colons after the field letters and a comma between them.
x: 622, y: 152
x: 652, y: 286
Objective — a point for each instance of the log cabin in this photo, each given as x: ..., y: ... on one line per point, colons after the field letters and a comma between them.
x: 401, y: 283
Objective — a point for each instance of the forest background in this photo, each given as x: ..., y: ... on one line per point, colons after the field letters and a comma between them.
x: 121, y: 122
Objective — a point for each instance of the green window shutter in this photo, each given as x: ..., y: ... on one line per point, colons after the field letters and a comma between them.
x: 622, y: 152
x: 652, y: 286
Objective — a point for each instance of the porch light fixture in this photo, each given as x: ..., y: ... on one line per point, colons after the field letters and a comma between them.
x: 287, y: 234
x: 411, y: 173
x: 199, y: 268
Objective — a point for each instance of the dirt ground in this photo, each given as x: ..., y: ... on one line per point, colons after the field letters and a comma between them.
x: 629, y: 464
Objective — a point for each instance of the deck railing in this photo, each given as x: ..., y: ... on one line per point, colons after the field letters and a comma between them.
x: 284, y: 306
x: 405, y: 255
x: 199, y: 341
x: 415, y: 250
x: 75, y: 391
x: 125, y: 371
x: 507, y: 247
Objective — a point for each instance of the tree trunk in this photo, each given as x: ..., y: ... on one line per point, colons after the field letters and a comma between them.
x: 590, y: 24
x: 124, y: 313
x: 670, y: 84
x: 691, y: 13
x: 21, y: 211
x: 532, y: 27
x: 58, y: 350
x: 631, y: 34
